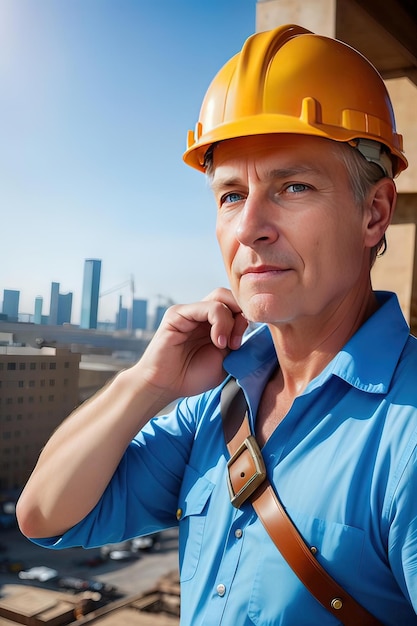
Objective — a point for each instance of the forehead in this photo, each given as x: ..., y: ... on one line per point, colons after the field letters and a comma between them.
x: 291, y: 149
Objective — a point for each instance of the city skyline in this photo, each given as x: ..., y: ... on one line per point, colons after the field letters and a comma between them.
x: 97, y: 99
x: 56, y: 303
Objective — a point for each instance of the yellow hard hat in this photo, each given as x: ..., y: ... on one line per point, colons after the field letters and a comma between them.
x: 290, y: 80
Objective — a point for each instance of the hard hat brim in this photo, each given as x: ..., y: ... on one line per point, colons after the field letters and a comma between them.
x: 281, y: 124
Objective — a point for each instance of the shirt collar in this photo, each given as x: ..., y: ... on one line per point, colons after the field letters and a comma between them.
x: 369, y: 358
x: 367, y: 361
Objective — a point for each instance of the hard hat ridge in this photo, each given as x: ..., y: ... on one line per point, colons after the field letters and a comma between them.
x: 253, y: 64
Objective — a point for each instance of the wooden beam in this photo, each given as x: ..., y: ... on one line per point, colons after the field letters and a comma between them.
x: 406, y: 213
x: 399, y: 19
x: 406, y: 209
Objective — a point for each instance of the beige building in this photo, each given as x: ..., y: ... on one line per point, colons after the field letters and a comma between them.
x: 386, y: 33
x: 38, y: 389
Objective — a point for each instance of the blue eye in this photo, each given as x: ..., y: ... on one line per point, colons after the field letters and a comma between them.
x: 296, y: 188
x: 230, y: 198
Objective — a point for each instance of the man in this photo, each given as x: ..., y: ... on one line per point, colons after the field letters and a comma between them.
x: 298, y: 140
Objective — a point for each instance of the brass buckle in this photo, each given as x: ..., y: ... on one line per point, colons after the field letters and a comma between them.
x: 251, y: 445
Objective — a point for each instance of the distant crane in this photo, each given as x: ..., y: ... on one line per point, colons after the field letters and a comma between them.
x: 131, y: 284
x: 118, y: 287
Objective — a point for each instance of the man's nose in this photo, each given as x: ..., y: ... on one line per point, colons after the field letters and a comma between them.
x: 256, y: 222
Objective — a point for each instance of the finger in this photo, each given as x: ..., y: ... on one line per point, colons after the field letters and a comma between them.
x: 192, y: 321
x: 225, y: 322
x: 227, y: 327
x: 221, y: 294
x: 239, y: 328
x: 240, y: 323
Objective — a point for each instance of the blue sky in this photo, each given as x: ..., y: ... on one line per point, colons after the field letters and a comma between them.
x: 96, y: 97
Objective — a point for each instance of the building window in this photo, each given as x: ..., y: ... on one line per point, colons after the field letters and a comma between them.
x: 22, y: 366
x: 33, y: 366
x: 11, y: 365
x: 21, y: 383
x: 52, y: 366
x: 52, y: 382
x: 43, y: 382
x: 20, y: 400
x: 51, y: 398
x: 66, y: 364
x: 43, y: 365
x: 32, y: 383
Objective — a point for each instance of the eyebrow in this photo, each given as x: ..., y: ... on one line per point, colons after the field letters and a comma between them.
x: 224, y: 183
x: 285, y: 172
x: 288, y: 172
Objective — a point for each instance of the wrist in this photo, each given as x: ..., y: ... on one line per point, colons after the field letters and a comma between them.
x: 141, y: 395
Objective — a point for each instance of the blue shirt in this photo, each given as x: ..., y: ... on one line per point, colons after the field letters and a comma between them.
x: 343, y: 462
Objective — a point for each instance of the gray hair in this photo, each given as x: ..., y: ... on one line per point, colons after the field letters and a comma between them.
x: 363, y: 174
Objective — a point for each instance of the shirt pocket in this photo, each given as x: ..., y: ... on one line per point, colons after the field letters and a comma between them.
x: 340, y: 547
x: 192, y: 508
x: 278, y: 596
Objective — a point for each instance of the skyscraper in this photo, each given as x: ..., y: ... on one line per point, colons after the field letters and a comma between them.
x: 90, y: 294
x: 11, y: 304
x: 159, y: 314
x: 37, y: 318
x: 53, y: 308
x: 139, y: 314
x: 64, y: 308
x: 60, y: 308
x: 121, y: 316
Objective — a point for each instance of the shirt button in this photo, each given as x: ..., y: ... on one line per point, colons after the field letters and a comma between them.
x: 238, y: 533
x: 179, y: 514
x: 221, y: 590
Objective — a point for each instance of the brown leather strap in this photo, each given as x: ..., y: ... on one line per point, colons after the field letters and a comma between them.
x: 243, y: 471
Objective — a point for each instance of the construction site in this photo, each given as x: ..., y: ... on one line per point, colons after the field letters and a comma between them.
x: 33, y: 606
x: 115, y: 584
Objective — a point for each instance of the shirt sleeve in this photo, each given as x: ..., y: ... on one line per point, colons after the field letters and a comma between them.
x: 142, y: 496
x: 402, y: 538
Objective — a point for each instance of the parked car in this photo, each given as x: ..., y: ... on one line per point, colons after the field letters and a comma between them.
x: 81, y: 584
x: 127, y: 549
x: 147, y: 542
x: 117, y: 551
x: 41, y: 573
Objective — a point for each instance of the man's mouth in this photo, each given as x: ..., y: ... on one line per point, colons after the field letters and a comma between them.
x: 259, y: 271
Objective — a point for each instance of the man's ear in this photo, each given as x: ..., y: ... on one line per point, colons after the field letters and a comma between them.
x: 379, y: 209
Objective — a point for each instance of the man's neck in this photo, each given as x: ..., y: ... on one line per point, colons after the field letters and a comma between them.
x: 305, y: 347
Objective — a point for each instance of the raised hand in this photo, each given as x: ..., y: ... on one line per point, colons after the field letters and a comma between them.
x: 186, y: 354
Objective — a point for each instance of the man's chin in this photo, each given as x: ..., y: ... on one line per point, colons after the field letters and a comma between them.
x: 263, y: 309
